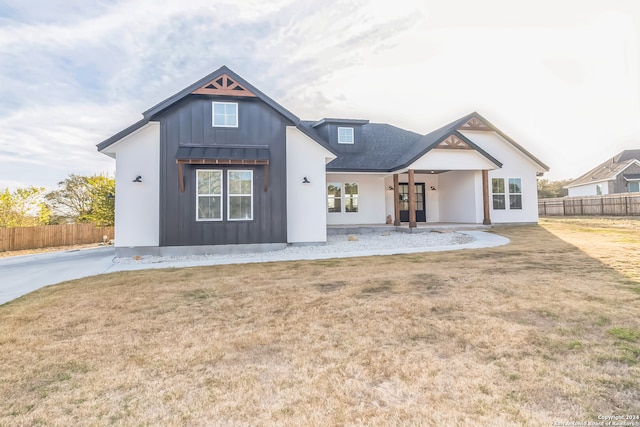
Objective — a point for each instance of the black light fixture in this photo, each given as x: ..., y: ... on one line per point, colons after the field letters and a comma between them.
x: 433, y: 188
x: 138, y: 179
x: 305, y: 180
x: 390, y: 188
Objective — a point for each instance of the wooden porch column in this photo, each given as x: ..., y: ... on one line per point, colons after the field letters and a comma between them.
x: 412, y: 200
x: 396, y: 200
x: 485, y: 197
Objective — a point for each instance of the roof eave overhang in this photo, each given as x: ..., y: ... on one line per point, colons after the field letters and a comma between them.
x: 543, y: 166
x: 316, y: 138
x: 120, y: 135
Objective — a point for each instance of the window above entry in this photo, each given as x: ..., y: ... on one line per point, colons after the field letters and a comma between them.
x: 225, y: 114
x: 345, y: 135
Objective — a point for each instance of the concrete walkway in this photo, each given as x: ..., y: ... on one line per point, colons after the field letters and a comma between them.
x: 23, y: 274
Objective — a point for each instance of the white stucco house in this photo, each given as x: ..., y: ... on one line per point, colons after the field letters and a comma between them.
x: 220, y: 166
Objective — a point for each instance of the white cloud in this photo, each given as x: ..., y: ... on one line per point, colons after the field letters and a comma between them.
x: 74, y: 72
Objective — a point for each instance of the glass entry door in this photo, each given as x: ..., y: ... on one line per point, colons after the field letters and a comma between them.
x: 403, y: 190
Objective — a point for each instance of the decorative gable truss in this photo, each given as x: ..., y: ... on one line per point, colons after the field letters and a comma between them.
x: 223, y: 85
x: 474, y: 123
x: 453, y: 142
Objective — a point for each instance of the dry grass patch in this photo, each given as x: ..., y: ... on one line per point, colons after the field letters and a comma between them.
x: 527, y: 334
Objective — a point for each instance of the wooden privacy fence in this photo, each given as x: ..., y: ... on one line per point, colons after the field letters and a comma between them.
x: 20, y: 238
x: 624, y: 204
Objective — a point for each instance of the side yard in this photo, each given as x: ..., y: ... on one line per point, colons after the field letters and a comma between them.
x: 543, y: 330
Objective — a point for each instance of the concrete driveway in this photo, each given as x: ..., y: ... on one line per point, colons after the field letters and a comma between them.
x: 23, y: 274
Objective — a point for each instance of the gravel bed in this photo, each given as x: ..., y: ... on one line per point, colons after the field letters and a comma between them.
x: 337, y: 246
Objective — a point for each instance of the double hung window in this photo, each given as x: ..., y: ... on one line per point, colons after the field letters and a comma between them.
x: 337, y: 198
x: 500, y: 192
x: 209, y: 195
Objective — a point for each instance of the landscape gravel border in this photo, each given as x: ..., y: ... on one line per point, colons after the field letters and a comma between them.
x: 337, y: 246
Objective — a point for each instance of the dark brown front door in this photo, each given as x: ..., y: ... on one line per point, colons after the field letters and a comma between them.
x: 403, y: 190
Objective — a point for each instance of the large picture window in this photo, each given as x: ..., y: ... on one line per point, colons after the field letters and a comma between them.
x: 209, y: 195
x: 240, y: 195
x: 225, y: 114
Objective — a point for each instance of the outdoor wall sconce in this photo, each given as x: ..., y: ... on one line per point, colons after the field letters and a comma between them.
x: 433, y: 188
x: 305, y: 180
x: 390, y: 188
x: 138, y: 179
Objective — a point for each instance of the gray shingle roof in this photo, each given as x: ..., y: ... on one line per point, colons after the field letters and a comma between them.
x: 388, y: 148
x: 383, y: 145
x: 609, y: 169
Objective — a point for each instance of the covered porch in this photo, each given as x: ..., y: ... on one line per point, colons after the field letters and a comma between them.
x: 433, y: 198
x: 440, y: 199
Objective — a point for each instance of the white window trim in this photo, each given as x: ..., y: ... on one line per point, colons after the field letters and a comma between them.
x: 507, y: 194
x: 334, y: 197
x: 229, y: 195
x: 344, y: 197
x: 213, y: 115
x: 508, y: 188
x: 352, y: 136
x: 218, y: 195
x: 503, y: 194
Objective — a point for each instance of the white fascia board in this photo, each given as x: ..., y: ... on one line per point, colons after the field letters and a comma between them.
x: 329, y: 156
x: 112, y: 149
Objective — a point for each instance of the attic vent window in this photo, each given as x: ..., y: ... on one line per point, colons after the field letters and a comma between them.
x: 225, y: 114
x: 345, y: 135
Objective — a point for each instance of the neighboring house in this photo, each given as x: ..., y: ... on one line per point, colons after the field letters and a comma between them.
x: 220, y: 163
x: 620, y: 174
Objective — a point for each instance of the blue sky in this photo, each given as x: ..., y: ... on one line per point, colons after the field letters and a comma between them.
x: 560, y: 77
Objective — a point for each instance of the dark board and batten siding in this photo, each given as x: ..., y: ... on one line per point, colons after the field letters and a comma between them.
x: 190, y: 123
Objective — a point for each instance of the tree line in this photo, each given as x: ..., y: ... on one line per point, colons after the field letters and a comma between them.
x: 77, y: 199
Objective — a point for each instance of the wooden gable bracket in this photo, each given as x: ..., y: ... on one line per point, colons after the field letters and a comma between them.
x: 182, y: 162
x: 223, y: 85
x: 453, y: 142
x: 475, y: 123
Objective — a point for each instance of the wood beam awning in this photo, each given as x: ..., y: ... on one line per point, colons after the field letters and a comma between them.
x: 223, y: 155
